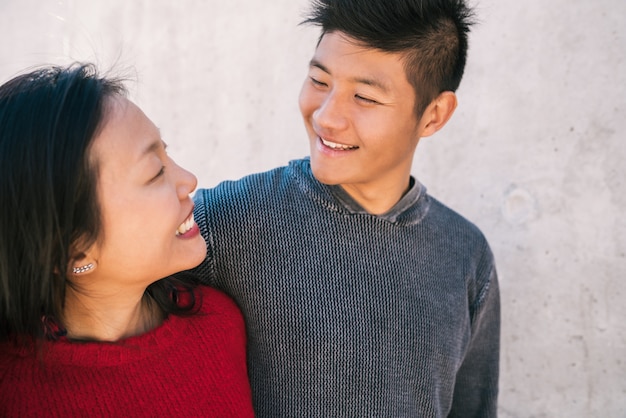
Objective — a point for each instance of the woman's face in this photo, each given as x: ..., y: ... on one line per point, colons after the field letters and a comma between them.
x: 148, y: 230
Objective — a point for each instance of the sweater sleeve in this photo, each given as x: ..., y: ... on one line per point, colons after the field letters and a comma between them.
x: 205, y: 272
x: 476, y: 386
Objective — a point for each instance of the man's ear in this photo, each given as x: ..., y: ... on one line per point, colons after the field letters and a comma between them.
x: 437, y: 113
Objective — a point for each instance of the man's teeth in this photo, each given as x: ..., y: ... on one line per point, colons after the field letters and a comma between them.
x: 185, y: 226
x: 334, y: 145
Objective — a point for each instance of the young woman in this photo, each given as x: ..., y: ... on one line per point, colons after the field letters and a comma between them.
x: 93, y: 215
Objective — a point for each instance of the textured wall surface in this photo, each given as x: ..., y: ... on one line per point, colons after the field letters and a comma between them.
x: 532, y: 155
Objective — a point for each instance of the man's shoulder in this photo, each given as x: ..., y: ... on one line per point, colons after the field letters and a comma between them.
x: 449, y: 220
x: 461, y: 239
x: 263, y: 185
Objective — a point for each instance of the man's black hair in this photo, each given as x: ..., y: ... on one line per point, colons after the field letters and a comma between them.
x: 432, y: 34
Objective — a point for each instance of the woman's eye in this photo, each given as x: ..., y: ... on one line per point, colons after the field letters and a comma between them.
x: 159, y: 174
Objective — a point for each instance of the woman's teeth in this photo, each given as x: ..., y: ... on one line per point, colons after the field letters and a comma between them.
x: 334, y: 145
x: 185, y: 226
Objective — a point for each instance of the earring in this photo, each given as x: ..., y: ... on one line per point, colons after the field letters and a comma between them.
x: 82, y: 269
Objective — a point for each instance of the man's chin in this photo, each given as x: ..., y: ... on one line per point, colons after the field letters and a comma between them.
x: 324, y: 175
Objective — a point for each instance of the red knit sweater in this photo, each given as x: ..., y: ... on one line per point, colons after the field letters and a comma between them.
x: 189, y: 366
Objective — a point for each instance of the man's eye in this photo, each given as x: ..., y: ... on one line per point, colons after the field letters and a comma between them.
x: 365, y: 99
x: 317, y: 82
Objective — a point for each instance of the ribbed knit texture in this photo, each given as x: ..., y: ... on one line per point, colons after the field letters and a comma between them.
x: 188, y: 367
x: 350, y: 314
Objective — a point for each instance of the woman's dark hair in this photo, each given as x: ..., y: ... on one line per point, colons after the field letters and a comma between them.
x: 432, y: 34
x: 49, y: 211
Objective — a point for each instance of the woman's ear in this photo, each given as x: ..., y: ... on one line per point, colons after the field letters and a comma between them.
x: 83, y: 264
x: 437, y: 113
x: 85, y: 261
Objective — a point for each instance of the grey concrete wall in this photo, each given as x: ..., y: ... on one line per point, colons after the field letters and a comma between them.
x: 533, y: 155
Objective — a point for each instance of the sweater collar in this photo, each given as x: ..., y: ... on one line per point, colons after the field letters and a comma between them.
x: 411, y: 208
x: 409, y: 199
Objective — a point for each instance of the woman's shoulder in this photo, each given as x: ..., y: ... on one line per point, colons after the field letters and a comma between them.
x: 215, y: 301
x: 218, y: 319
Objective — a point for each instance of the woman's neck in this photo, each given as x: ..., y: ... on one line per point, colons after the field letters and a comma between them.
x: 113, y: 318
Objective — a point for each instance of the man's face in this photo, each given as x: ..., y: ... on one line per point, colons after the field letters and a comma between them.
x: 358, y: 109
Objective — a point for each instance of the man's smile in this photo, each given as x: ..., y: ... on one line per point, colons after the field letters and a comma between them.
x: 336, y: 146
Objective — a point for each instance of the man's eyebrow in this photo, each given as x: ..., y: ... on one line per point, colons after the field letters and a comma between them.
x: 317, y: 64
x: 373, y: 81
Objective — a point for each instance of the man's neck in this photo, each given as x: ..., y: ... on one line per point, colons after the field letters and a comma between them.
x: 377, y: 200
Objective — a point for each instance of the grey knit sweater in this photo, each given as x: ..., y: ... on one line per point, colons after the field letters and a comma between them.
x: 350, y: 314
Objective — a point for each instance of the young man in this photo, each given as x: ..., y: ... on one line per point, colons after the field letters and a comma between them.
x: 363, y: 295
